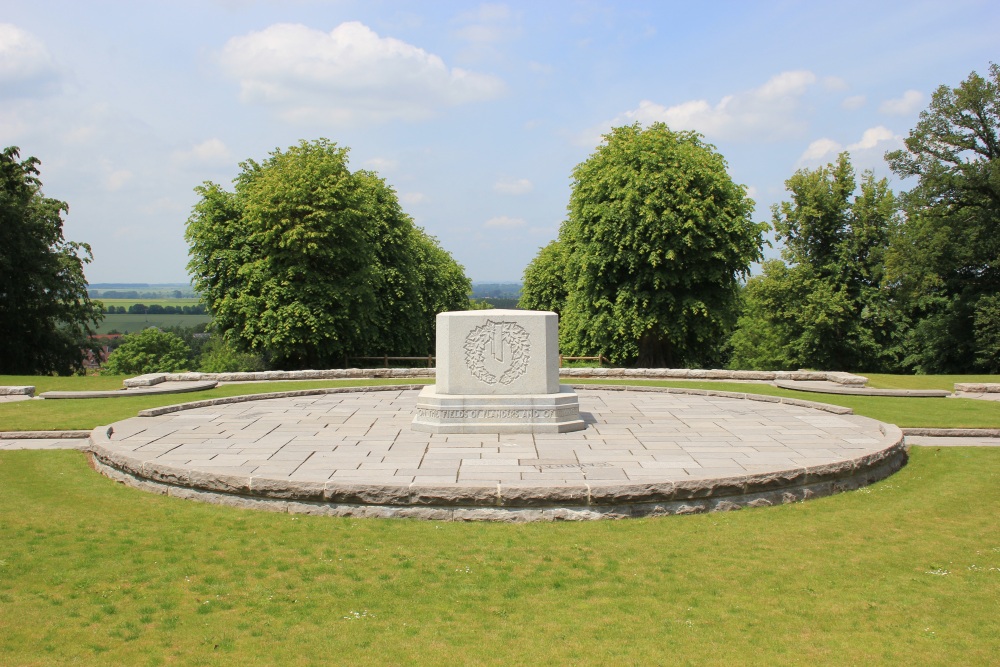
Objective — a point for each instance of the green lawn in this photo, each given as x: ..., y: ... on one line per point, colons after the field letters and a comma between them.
x: 904, y: 412
x: 905, y: 572
x: 885, y: 381
x: 85, y: 414
x: 135, y: 323
x: 89, y: 413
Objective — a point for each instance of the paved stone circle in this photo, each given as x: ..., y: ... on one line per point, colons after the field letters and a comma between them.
x: 645, y: 451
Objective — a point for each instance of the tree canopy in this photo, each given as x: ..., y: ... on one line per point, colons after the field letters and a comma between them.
x: 945, y: 259
x: 45, y: 312
x: 307, y: 263
x: 657, y: 238
x: 825, y: 306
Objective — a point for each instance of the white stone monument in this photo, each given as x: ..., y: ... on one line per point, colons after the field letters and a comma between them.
x: 498, y: 372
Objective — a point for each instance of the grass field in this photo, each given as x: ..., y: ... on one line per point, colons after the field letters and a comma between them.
x: 89, y: 413
x: 193, y: 301
x: 135, y: 323
x: 905, y: 572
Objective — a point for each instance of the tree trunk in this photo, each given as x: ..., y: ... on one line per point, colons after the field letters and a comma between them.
x: 654, y: 352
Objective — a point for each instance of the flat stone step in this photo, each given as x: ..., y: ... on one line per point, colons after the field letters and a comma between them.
x: 821, y: 387
x: 162, y: 388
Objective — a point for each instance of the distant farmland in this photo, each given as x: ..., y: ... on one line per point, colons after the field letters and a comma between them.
x: 134, y: 323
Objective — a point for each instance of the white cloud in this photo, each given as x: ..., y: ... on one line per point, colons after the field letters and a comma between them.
x: 413, y: 198
x: 25, y: 62
x: 867, y: 151
x: 117, y: 179
x: 503, y: 222
x: 381, y: 164
x: 820, y: 149
x: 872, y: 137
x: 766, y: 112
x: 347, y: 75
x: 512, y: 186
x: 910, y: 102
x: 210, y: 151
x: 854, y: 102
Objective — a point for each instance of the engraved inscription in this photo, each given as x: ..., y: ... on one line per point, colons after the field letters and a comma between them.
x: 519, y: 413
x: 575, y: 466
x: 497, y: 352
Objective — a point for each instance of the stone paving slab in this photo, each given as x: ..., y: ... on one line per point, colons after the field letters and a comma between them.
x: 697, y: 445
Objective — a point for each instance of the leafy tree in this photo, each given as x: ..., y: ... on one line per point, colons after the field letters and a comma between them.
x: 946, y: 256
x: 150, y: 351
x: 657, y: 238
x: 46, y: 314
x: 545, y: 286
x: 307, y: 263
x: 828, y: 307
x: 221, y: 356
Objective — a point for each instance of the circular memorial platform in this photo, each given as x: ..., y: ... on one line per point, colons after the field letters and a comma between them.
x: 644, y: 451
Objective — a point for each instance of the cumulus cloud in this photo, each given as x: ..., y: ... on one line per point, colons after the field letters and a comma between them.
x: 413, y: 198
x: 210, y: 151
x: 348, y: 75
x: 26, y: 67
x: 910, y: 102
x: 503, y: 222
x: 854, y: 102
x: 513, y: 186
x: 116, y: 180
x: 381, y: 164
x: 872, y: 145
x: 766, y: 112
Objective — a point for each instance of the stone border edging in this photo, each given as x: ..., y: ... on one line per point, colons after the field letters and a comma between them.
x: 503, y: 502
x: 133, y: 391
x: 243, y: 398
x: 977, y: 387
x: 398, y: 373
x: 25, y: 390
x: 715, y: 374
x: 863, y: 391
x: 43, y: 435
x: 953, y: 432
x: 747, y: 396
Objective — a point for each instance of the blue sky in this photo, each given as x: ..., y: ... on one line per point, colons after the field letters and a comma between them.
x: 475, y: 113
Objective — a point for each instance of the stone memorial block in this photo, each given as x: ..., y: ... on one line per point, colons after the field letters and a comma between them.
x: 498, y: 372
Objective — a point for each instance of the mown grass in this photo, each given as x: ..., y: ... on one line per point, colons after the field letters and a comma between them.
x: 904, y: 412
x: 903, y: 572
x: 135, y: 323
x: 885, y: 381
x: 88, y: 413
x: 81, y: 414
x: 43, y: 383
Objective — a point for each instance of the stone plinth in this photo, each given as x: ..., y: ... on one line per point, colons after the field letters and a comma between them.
x: 498, y: 372
x: 482, y: 413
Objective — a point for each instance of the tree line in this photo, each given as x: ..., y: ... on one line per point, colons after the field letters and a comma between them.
x: 155, y: 309
x: 305, y: 263
x: 648, y: 265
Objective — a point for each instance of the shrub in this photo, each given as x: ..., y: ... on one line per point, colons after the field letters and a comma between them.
x: 150, y: 351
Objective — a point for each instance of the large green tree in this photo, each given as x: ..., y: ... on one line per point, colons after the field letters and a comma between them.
x: 826, y: 305
x: 544, y: 286
x: 657, y: 239
x: 307, y: 263
x: 45, y: 313
x: 946, y: 256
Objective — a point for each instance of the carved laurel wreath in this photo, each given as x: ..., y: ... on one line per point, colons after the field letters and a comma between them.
x: 482, y: 336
